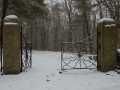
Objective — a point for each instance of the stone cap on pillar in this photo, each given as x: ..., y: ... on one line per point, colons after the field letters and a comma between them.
x: 108, y: 22
x: 11, y: 20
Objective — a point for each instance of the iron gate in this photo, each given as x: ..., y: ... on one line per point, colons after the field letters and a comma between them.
x: 26, y: 52
x: 79, y: 55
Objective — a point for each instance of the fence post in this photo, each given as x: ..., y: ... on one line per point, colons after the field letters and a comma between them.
x: 107, y: 42
x: 11, y: 45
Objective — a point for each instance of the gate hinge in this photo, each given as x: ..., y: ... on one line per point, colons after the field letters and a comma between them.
x: 98, y: 31
x: 99, y: 45
x: 1, y: 46
x: 98, y: 67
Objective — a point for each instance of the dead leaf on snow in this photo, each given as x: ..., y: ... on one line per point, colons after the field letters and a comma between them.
x: 60, y: 72
x: 47, y: 80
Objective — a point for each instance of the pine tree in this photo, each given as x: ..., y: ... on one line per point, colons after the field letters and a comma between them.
x: 27, y: 8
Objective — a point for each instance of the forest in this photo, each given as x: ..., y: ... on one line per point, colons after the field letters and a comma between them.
x: 47, y: 23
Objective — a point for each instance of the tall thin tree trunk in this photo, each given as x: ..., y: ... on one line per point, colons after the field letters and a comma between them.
x: 4, y: 10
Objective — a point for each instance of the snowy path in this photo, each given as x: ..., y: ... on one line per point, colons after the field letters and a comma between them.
x: 44, y: 75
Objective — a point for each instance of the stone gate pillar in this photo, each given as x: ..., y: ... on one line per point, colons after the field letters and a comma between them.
x: 11, y: 45
x: 107, y: 44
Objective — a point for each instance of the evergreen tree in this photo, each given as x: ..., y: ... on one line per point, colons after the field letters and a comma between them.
x: 27, y: 8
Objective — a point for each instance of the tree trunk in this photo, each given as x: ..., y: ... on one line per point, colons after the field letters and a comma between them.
x: 4, y: 10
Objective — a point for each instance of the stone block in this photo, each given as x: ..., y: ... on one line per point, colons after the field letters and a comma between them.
x: 11, y: 45
x: 107, y: 41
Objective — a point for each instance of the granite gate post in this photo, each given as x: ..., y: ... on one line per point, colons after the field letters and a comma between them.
x: 107, y: 44
x: 11, y: 45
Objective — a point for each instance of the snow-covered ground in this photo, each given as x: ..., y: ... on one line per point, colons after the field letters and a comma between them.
x: 44, y: 75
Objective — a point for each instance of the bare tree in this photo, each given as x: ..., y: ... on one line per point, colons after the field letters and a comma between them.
x: 113, y: 7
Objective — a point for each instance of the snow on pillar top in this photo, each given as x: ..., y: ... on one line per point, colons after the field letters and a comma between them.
x: 11, y: 17
x: 11, y: 20
x: 106, y: 20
